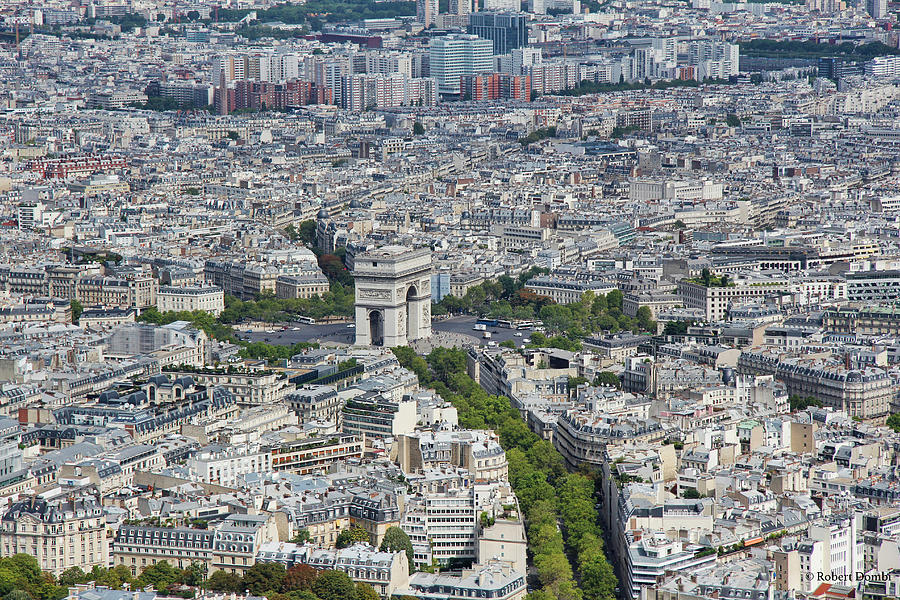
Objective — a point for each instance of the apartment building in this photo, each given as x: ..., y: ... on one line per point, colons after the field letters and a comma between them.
x: 518, y: 236
x: 646, y: 190
x: 149, y: 412
x: 455, y: 55
x: 326, y: 513
x: 863, y: 321
x: 226, y: 465
x: 60, y: 533
x: 316, y: 403
x: 843, y: 551
x: 364, y: 91
x: 386, y: 572
x: 582, y: 435
x: 374, y: 416
x: 249, y: 388
x: 494, y: 86
x: 301, y: 286
x: 496, y: 580
x: 566, y: 290
x: 478, y: 452
x: 864, y: 393
x: 714, y: 301
x: 442, y: 526
x: 654, y: 555
x: 139, y: 546
x: 314, y: 455
x: 137, y: 292
x: 24, y: 280
x: 230, y: 546
x: 873, y: 286
x: 177, y: 343
x: 208, y: 298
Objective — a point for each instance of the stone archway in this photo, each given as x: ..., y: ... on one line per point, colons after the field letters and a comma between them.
x: 396, y: 282
x: 412, y: 313
x: 376, y: 328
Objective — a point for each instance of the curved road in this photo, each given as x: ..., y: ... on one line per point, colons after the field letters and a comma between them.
x: 452, y: 331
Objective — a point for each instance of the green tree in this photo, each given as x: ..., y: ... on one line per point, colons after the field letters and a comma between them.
x: 552, y: 567
x: 334, y: 585
x: 645, y: 319
x: 893, y: 422
x: 160, y: 575
x: 112, y: 578
x: 540, y: 595
x: 221, y: 581
x: 446, y: 361
x: 544, y: 457
x: 77, y: 309
x: 574, y: 382
x: 262, y: 577
x: 396, y: 540
x: 22, y: 572
x: 308, y: 233
x: 732, y: 120
x: 195, y: 574
x: 71, y: 577
x: 614, y: 300
x: 418, y: 128
x: 677, y: 327
x: 609, y: 379
x: 690, y: 494
x: 301, y: 536
x: 350, y: 536
x: 802, y: 403
x: 364, y: 591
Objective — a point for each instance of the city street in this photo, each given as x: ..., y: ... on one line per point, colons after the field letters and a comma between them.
x: 458, y: 330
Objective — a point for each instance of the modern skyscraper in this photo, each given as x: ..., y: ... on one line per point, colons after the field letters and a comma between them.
x: 506, y: 30
x: 453, y: 56
x: 460, y: 7
x: 876, y: 8
x: 500, y: 5
x: 426, y: 12
x: 714, y: 59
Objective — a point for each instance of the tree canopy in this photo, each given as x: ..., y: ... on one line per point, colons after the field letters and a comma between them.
x: 351, y: 535
x: 396, y: 540
x: 548, y: 495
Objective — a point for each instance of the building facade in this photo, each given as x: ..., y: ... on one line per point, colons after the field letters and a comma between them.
x: 60, y: 534
x: 453, y: 56
x: 210, y: 299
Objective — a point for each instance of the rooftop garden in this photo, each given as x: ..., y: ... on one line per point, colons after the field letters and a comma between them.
x: 709, y: 279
